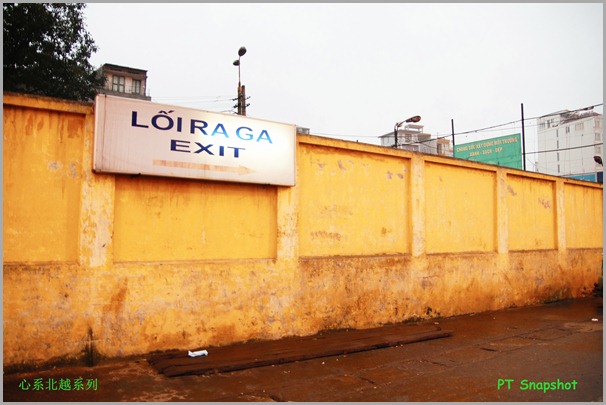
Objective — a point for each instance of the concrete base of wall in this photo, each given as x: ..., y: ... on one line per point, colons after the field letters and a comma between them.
x: 101, y: 314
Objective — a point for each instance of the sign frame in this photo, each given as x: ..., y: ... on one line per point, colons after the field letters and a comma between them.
x: 139, y: 137
x: 503, y: 151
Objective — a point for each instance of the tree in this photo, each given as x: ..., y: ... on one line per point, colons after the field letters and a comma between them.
x: 47, y: 49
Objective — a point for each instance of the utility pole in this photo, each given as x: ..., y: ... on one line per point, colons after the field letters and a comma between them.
x: 243, y: 102
x: 523, y: 140
x: 241, y: 90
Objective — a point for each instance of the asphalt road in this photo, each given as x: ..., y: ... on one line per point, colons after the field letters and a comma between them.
x: 551, y: 352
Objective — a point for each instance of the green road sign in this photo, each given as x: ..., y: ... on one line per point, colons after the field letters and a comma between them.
x: 502, y: 151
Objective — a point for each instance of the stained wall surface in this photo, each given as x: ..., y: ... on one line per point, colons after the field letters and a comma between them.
x: 100, y: 265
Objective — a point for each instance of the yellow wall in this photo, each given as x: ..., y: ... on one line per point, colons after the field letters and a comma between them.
x: 100, y: 265
x: 531, y: 208
x: 42, y: 165
x: 460, y: 209
x: 352, y: 202
x: 166, y: 219
x: 584, y: 207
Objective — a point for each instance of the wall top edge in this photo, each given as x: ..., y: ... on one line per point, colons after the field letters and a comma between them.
x: 352, y: 146
x: 582, y: 183
x: 428, y: 158
x: 552, y: 179
x: 47, y: 103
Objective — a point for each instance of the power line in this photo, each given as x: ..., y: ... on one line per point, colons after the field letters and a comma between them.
x: 562, y: 149
x: 508, y: 123
x: 195, y: 98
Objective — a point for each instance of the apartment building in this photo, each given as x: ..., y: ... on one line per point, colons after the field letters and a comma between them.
x: 568, y: 141
x: 411, y: 137
x: 124, y: 82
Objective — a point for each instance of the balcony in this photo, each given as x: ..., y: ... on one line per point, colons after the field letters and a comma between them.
x: 127, y: 91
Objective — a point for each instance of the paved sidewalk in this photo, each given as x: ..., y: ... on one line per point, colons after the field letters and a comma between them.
x: 545, y: 353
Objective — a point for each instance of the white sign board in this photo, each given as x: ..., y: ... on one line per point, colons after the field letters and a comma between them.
x: 141, y: 137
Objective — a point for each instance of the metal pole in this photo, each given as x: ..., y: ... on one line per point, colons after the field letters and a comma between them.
x: 244, y: 100
x: 395, y: 135
x: 239, y: 90
x: 239, y: 99
x: 523, y: 140
x: 452, y: 126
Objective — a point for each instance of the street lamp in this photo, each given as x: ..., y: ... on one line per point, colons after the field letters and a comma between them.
x: 598, y: 160
x: 241, y: 90
x: 416, y: 118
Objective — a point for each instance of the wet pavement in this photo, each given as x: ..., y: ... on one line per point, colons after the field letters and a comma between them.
x: 551, y: 352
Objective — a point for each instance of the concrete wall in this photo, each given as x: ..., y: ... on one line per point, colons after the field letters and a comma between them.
x: 99, y: 265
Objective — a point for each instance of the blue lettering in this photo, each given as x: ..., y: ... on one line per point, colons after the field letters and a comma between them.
x: 204, y: 148
x: 176, y: 144
x: 264, y: 135
x: 184, y: 146
x: 134, y: 121
x: 236, y: 151
x: 163, y: 122
x: 247, y: 137
x: 169, y: 121
x: 220, y: 129
x: 193, y: 126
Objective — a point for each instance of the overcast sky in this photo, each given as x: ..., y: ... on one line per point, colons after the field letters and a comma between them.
x: 353, y: 70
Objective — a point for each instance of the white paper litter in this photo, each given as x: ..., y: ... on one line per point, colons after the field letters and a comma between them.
x: 198, y: 353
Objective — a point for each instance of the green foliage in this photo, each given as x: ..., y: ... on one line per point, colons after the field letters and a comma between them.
x: 47, y: 49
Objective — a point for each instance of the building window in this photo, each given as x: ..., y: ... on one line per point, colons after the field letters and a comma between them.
x: 567, y: 130
x: 598, y: 137
x: 118, y: 84
x: 578, y: 127
x: 136, y: 86
x: 598, y: 150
